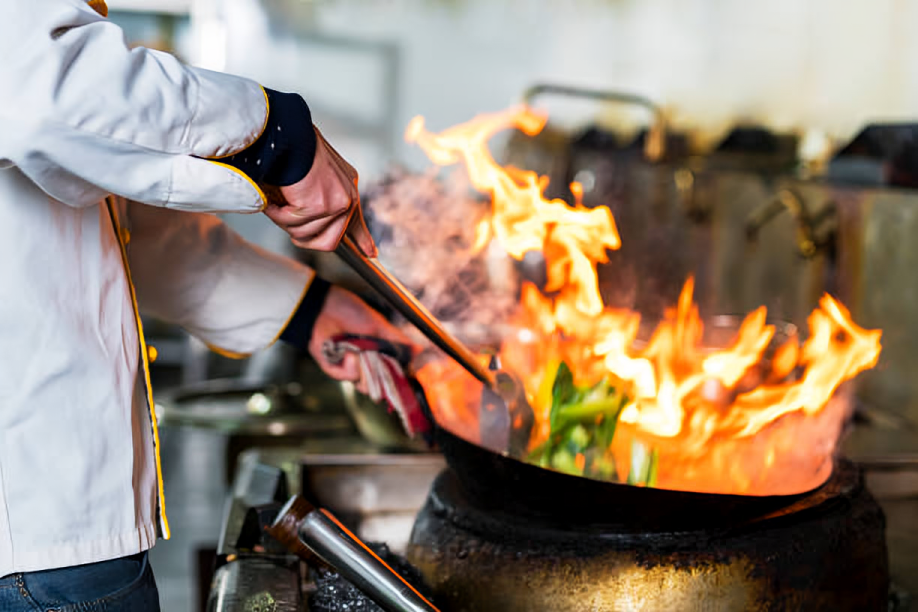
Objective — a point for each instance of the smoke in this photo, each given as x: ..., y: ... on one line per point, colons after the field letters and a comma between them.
x: 425, y: 227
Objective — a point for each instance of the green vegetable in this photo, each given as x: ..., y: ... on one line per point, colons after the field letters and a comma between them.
x: 563, y: 461
x: 643, y: 465
x: 582, y: 425
x: 578, y: 438
x: 602, y: 468
x: 561, y: 392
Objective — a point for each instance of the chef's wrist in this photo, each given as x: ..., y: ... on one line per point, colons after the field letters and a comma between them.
x: 285, y: 151
x: 298, y: 331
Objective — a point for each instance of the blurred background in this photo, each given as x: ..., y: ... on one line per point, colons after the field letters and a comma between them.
x: 771, y: 146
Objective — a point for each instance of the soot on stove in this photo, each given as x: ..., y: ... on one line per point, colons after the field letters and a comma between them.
x: 333, y: 593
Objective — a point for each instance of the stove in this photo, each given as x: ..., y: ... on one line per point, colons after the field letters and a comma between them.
x: 825, y: 551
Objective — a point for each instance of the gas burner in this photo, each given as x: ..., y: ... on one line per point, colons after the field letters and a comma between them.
x: 823, y: 551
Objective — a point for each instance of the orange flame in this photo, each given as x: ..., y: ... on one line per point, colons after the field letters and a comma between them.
x: 482, y: 236
x: 522, y: 219
x: 724, y: 418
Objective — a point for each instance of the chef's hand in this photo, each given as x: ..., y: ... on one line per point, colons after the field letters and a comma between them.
x: 345, y: 313
x: 318, y: 210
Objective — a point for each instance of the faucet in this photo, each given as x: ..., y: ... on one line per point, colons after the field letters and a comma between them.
x: 808, y: 242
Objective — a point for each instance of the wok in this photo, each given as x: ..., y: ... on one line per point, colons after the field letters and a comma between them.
x: 500, y: 483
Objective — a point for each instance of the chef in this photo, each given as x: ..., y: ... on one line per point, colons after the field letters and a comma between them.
x: 111, y: 163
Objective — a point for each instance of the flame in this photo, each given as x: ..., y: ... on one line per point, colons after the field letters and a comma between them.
x: 522, y: 219
x: 482, y: 236
x: 739, y: 416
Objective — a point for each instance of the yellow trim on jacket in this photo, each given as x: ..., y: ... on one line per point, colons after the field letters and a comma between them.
x: 264, y: 199
x: 264, y: 126
x: 261, y: 193
x: 146, y: 369
x: 98, y: 6
x: 232, y: 355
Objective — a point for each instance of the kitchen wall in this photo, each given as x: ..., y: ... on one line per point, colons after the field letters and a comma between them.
x: 826, y: 65
x: 367, y: 67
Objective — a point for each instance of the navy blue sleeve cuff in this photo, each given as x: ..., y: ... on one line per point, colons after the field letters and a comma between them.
x: 284, y: 152
x: 299, y: 330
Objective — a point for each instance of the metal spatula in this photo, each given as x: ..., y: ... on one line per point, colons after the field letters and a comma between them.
x: 506, y: 418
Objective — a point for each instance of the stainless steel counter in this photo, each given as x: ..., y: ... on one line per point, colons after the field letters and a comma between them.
x: 375, y: 495
x: 889, y: 458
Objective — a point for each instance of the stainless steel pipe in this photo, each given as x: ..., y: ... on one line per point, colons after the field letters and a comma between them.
x: 359, y: 565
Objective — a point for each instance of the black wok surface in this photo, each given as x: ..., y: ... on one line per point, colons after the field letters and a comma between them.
x: 499, y: 483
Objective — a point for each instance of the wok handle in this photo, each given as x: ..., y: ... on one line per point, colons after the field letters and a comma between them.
x: 411, y: 308
x: 338, y: 547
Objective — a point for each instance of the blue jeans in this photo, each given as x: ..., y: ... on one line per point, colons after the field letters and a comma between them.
x: 124, y: 584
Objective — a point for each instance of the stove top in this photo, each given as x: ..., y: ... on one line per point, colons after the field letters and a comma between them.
x: 825, y: 551
x: 264, y: 579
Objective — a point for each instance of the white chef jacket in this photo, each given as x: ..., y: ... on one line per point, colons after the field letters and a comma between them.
x: 106, y: 182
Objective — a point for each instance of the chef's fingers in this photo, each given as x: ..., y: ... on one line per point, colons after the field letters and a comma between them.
x: 289, y: 216
x: 357, y: 226
x: 348, y: 369
x: 322, y: 234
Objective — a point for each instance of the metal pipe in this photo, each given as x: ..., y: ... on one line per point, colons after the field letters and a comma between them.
x: 411, y: 308
x: 358, y: 564
x: 656, y: 138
